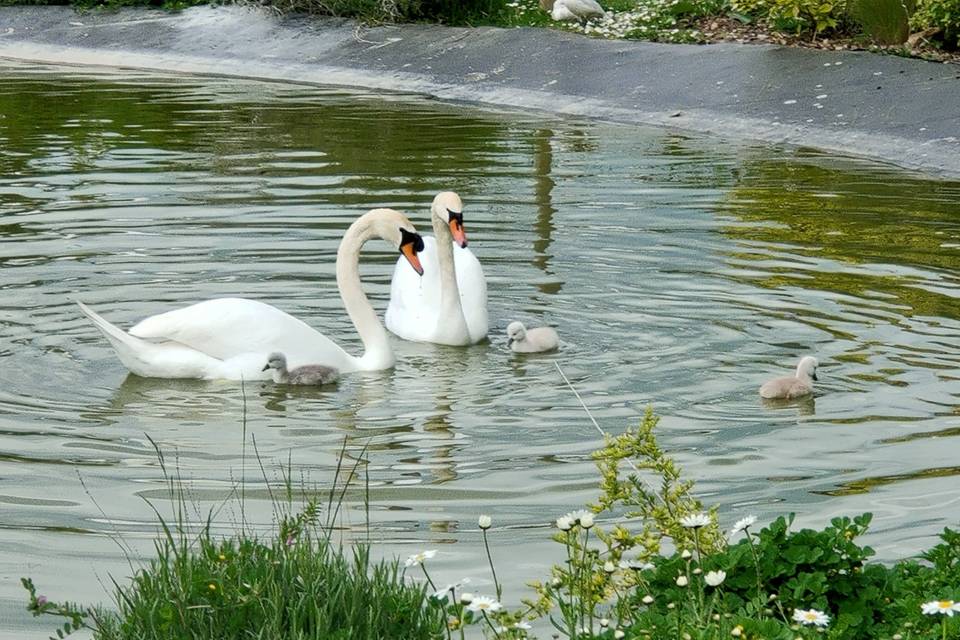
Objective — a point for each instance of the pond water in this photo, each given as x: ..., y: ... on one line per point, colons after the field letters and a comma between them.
x: 680, y: 272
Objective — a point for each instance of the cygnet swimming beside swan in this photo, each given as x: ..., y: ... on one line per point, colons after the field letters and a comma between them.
x: 795, y: 386
x: 312, y: 374
x: 536, y: 340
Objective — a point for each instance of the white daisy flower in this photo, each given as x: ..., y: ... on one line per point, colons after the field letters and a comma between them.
x: 636, y: 565
x: 695, y: 521
x: 522, y: 625
x: 945, y: 607
x: 418, y: 558
x: 564, y: 523
x: 466, y: 597
x: 715, y: 578
x: 609, y: 567
x: 682, y: 581
x: 811, y: 617
x: 586, y: 520
x: 576, y: 515
x: 618, y: 634
x: 484, y: 522
x: 444, y: 593
x: 743, y: 524
x: 648, y: 599
x: 483, y: 604
x: 686, y: 555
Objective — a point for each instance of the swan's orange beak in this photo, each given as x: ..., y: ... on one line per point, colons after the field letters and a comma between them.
x: 456, y: 230
x: 409, y: 252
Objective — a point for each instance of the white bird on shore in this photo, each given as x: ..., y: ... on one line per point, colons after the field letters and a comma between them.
x: 536, y: 340
x: 795, y: 386
x: 312, y: 374
x: 572, y: 10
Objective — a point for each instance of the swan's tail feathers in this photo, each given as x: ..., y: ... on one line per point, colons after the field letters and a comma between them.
x: 129, y: 349
x: 156, y: 360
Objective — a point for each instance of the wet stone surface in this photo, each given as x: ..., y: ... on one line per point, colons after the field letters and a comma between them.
x: 892, y: 109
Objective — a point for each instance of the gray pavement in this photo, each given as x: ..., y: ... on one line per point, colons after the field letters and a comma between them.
x: 901, y: 111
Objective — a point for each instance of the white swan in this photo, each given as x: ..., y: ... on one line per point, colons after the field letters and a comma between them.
x: 793, y: 386
x: 573, y: 10
x: 231, y: 338
x: 448, y: 305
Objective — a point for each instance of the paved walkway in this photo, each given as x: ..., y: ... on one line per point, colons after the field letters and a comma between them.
x: 902, y: 111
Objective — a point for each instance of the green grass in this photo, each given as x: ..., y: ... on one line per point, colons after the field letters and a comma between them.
x: 245, y: 588
x: 294, y: 584
x: 208, y: 589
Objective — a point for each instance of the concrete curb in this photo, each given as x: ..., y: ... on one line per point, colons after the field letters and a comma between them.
x: 901, y: 111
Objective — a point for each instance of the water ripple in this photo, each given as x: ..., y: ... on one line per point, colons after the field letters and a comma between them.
x: 680, y: 272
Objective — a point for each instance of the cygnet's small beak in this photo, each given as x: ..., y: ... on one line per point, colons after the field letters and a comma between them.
x: 509, y: 341
x: 265, y: 367
x: 456, y: 230
x: 815, y: 376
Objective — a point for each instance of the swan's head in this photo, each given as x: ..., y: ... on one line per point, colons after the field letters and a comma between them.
x: 448, y: 207
x: 807, y: 368
x: 515, y: 332
x: 277, y: 361
x: 395, y: 228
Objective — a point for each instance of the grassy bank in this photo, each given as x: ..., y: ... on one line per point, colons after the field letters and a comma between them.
x: 295, y: 583
x: 647, y: 561
x: 207, y: 589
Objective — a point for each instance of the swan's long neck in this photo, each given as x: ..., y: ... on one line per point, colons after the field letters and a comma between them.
x: 451, y: 310
x: 377, y: 353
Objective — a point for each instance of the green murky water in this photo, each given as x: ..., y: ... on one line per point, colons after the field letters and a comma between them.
x: 680, y: 272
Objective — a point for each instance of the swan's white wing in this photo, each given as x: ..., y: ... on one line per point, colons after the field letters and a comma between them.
x: 227, y: 328
x: 561, y: 12
x: 586, y: 7
x: 414, y: 309
x: 473, y: 292
x: 576, y: 9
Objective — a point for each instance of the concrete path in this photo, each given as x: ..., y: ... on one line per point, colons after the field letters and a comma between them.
x: 901, y: 111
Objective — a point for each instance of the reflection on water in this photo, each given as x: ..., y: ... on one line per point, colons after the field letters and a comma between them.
x: 679, y: 272
x: 804, y: 405
x: 543, y: 170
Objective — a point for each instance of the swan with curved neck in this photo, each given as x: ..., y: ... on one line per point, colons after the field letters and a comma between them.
x: 448, y: 305
x: 231, y: 338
